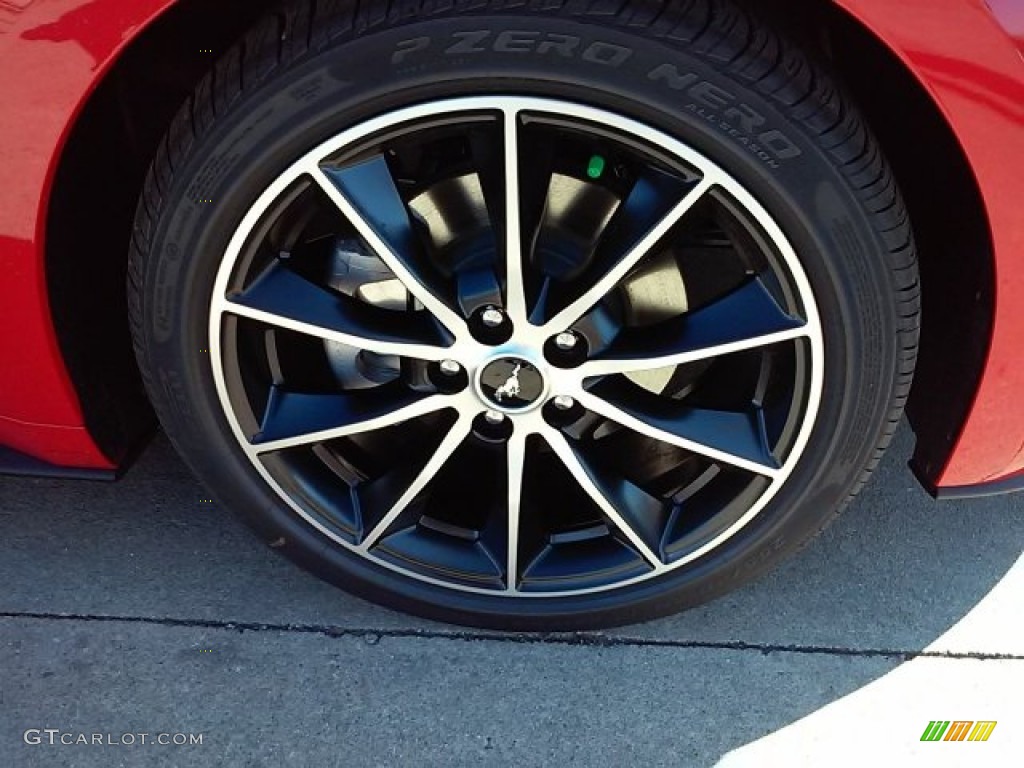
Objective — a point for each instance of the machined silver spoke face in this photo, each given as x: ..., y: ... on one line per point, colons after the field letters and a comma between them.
x: 516, y: 346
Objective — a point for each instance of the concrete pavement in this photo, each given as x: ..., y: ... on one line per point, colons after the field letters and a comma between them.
x: 136, y: 607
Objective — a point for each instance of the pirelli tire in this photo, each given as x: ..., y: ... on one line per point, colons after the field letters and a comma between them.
x: 605, y: 519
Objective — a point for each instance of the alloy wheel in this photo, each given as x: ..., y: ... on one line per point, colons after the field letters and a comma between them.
x: 516, y: 346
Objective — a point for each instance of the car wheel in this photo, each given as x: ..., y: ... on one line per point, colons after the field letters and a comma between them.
x: 530, y: 319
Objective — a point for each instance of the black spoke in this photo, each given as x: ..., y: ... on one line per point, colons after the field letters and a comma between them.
x: 371, y: 190
x: 367, y: 194
x: 299, y: 418
x: 478, y: 288
x: 644, y: 514
x: 737, y: 438
x: 657, y: 203
x: 386, y: 498
x: 746, y: 318
x: 283, y: 298
x: 651, y: 200
x: 596, y: 489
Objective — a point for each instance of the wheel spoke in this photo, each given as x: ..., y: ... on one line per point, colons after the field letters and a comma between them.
x: 294, y: 418
x: 583, y: 475
x: 456, y: 436
x: 744, y: 319
x: 516, y: 463
x: 634, y: 232
x: 478, y: 288
x: 733, y: 438
x: 286, y: 300
x: 515, y: 290
x: 366, y: 194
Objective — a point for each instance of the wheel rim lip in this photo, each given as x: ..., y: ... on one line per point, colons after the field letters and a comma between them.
x: 597, y: 116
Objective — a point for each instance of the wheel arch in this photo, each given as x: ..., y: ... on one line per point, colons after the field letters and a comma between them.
x: 100, y: 173
x: 96, y: 184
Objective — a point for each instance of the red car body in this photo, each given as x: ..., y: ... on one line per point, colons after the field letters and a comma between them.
x: 956, y: 66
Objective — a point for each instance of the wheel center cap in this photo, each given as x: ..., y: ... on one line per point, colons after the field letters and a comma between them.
x: 510, y: 383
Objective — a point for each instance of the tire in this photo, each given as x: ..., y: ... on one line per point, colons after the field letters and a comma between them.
x: 804, y: 196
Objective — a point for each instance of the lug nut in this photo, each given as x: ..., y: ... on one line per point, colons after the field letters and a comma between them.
x: 492, y: 317
x: 494, y: 417
x: 564, y: 403
x: 566, y: 341
x: 450, y: 367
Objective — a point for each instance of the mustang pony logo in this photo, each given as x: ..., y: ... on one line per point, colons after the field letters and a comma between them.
x: 511, y: 386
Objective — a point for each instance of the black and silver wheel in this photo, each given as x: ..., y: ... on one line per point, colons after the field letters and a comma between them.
x: 515, y: 346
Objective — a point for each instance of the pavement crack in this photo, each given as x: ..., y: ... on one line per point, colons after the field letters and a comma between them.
x: 575, y: 639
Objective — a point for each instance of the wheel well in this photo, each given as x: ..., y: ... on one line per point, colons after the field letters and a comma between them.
x: 95, y: 190
x: 101, y: 171
x: 950, y: 221
x: 947, y: 211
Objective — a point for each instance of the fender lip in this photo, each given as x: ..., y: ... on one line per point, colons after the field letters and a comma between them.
x: 17, y: 464
x: 1007, y: 485
x: 20, y: 464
